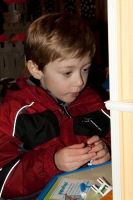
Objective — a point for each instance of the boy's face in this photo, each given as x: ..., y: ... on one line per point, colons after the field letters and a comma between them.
x: 65, y: 79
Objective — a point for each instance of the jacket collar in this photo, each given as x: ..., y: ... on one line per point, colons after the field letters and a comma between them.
x: 35, y: 82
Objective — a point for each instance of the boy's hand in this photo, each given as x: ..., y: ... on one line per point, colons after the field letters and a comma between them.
x: 100, y: 148
x: 72, y: 157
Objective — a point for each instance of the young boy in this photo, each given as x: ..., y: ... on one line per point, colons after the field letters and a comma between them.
x: 49, y: 122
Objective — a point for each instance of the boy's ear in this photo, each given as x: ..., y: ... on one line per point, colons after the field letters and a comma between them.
x: 33, y: 69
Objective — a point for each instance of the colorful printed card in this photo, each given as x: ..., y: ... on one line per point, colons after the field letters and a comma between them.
x: 69, y: 183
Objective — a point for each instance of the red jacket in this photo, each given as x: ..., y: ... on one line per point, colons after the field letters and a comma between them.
x: 33, y: 126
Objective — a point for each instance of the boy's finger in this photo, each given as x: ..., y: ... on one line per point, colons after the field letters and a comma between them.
x: 93, y: 139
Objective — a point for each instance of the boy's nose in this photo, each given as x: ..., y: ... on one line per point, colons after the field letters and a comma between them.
x: 79, y: 80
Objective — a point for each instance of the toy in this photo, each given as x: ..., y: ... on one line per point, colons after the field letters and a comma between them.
x: 83, y: 187
x: 68, y: 197
x: 16, y: 21
x: 103, y: 189
x: 90, y: 162
x: 108, y: 196
x: 73, y: 197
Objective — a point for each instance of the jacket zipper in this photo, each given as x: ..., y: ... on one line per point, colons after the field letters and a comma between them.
x: 65, y: 110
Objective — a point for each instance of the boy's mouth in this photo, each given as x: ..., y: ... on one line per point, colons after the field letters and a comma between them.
x: 75, y: 94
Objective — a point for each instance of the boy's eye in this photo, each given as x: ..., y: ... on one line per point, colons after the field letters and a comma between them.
x: 86, y: 70
x: 66, y: 73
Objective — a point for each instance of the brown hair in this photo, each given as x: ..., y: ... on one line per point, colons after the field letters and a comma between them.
x: 59, y: 35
